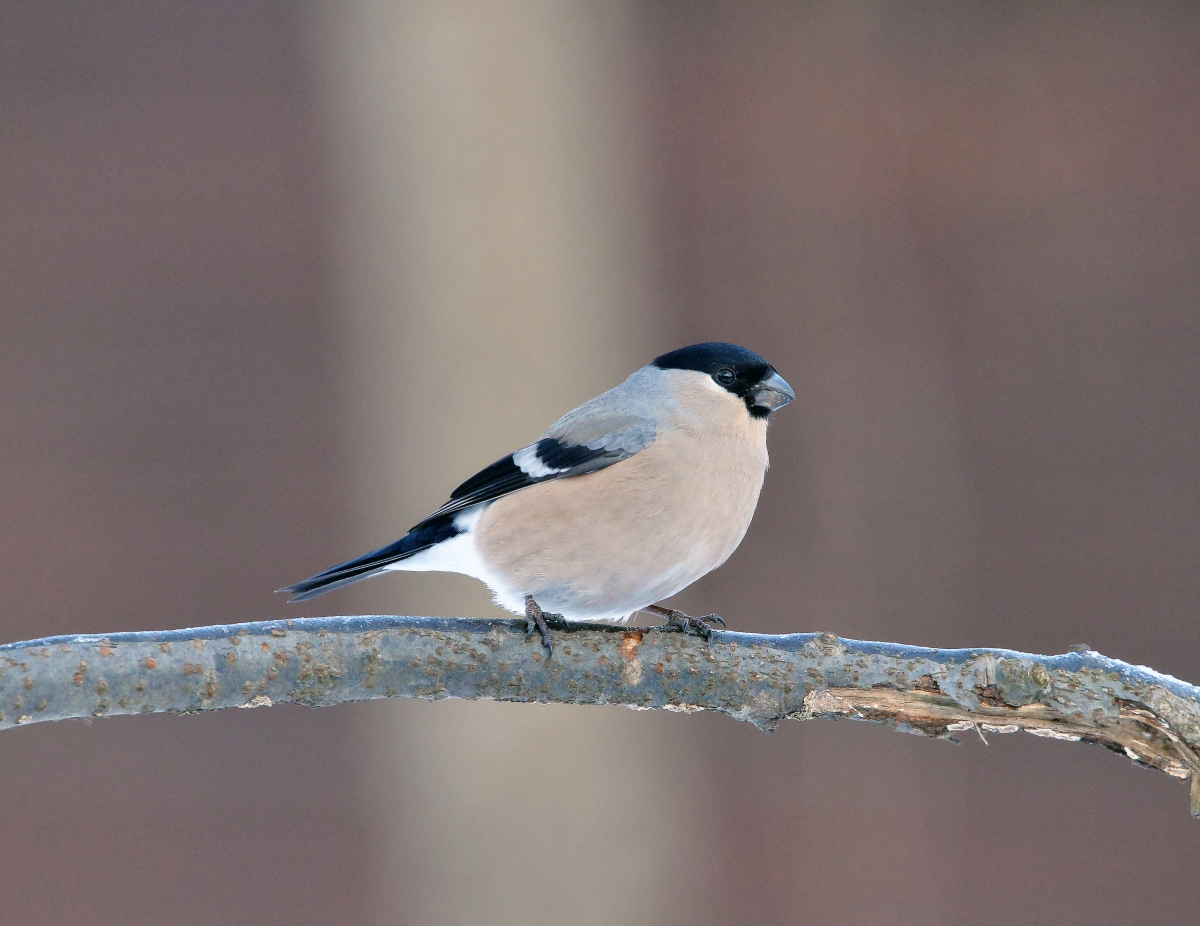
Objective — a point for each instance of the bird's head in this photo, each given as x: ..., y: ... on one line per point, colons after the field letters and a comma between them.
x: 735, y: 369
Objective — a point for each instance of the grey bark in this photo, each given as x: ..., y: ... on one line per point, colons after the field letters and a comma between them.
x: 1081, y: 696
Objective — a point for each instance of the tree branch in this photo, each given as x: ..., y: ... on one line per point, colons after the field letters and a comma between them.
x: 1081, y: 696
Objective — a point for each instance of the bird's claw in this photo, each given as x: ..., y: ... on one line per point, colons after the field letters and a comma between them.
x: 684, y: 623
x: 539, y: 621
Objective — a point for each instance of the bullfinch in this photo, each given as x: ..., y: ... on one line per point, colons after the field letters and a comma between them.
x: 623, y: 502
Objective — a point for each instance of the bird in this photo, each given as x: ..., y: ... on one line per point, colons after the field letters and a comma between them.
x: 620, y: 504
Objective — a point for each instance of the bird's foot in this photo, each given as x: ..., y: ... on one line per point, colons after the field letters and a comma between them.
x: 539, y: 621
x: 685, y: 623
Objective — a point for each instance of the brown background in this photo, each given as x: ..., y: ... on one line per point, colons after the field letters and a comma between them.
x: 968, y: 235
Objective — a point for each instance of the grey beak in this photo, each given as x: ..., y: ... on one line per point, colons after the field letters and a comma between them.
x: 772, y: 393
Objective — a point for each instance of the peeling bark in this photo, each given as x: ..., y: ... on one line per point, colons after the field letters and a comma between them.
x: 1081, y: 696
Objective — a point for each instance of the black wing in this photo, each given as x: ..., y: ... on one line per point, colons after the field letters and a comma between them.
x: 550, y: 458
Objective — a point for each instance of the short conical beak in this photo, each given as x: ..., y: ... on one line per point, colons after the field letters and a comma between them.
x: 772, y: 393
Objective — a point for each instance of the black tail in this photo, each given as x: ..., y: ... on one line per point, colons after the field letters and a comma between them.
x: 422, y: 537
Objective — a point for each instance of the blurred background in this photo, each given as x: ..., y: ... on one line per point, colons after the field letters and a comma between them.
x: 275, y: 277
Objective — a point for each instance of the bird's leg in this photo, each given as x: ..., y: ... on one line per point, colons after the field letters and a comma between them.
x: 538, y: 620
x: 684, y: 623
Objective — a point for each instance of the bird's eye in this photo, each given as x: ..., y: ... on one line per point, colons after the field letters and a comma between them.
x: 725, y: 376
